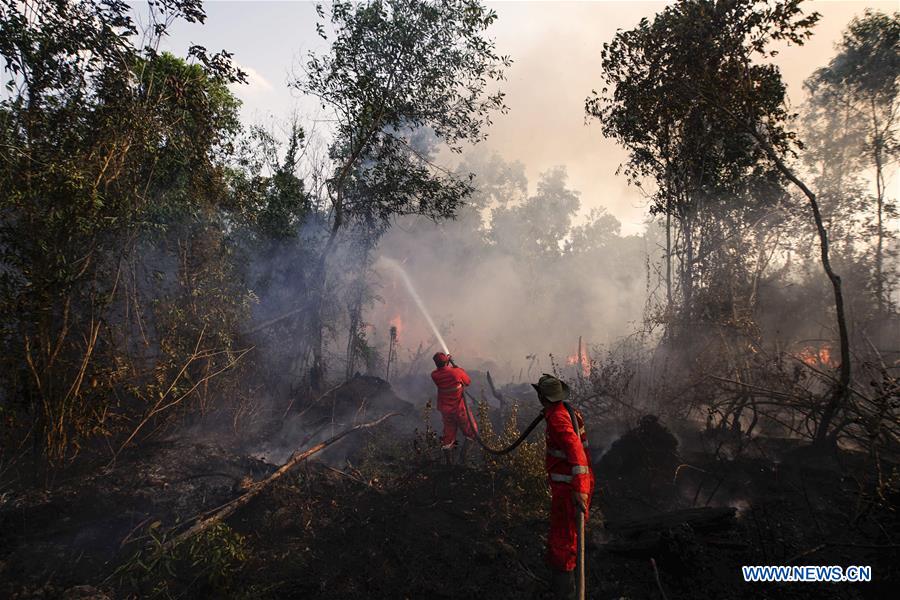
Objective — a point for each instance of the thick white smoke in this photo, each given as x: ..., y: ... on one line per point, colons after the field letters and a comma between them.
x: 513, y: 279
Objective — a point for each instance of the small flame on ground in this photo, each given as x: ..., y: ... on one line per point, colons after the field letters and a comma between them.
x: 818, y: 357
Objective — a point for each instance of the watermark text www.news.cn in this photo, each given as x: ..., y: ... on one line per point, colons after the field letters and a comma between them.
x: 807, y: 573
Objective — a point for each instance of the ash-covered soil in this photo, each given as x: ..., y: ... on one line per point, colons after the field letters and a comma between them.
x: 385, y: 519
x: 73, y: 530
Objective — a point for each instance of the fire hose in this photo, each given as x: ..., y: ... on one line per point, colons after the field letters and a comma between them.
x: 509, y: 448
x: 481, y: 442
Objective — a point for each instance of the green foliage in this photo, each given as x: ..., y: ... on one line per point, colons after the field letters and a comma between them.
x: 396, y: 70
x: 523, y: 474
x: 538, y: 227
x: 683, y: 120
x: 112, y: 200
x: 400, y: 63
x: 868, y: 62
x: 271, y: 206
x: 426, y: 442
x: 851, y: 129
x: 701, y: 131
x: 396, y: 67
x: 207, y: 565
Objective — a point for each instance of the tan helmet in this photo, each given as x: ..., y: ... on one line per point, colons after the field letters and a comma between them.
x: 551, y: 388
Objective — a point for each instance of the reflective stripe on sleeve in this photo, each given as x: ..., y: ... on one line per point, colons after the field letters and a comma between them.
x: 579, y: 470
x: 560, y: 477
x: 559, y: 453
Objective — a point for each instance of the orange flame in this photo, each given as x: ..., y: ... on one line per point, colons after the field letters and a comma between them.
x: 818, y: 357
x: 572, y: 359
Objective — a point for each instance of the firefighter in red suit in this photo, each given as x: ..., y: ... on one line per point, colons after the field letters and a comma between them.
x: 571, y: 480
x: 451, y: 382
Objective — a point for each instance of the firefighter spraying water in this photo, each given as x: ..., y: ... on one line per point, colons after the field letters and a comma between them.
x: 569, y: 471
x: 451, y: 382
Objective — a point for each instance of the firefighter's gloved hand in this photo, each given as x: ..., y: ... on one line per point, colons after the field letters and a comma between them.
x: 580, y: 501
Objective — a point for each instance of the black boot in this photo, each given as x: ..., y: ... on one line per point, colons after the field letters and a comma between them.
x: 562, y: 584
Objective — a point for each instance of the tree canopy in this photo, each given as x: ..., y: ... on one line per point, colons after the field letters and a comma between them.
x: 394, y: 67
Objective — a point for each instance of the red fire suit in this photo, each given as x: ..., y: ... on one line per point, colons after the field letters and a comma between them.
x: 451, y: 383
x: 568, y: 469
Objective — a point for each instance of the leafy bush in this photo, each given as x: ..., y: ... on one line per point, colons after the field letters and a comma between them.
x: 522, y: 474
x: 208, y: 565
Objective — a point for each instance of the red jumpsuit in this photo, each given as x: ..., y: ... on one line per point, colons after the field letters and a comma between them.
x: 451, y: 382
x: 568, y: 469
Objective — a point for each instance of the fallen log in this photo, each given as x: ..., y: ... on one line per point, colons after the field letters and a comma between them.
x: 703, y: 518
x: 223, y: 512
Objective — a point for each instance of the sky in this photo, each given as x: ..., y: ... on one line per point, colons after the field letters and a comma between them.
x: 555, y: 47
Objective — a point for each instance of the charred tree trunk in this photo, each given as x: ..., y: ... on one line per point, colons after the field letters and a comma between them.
x: 352, y: 341
x: 355, y: 339
x: 500, y: 398
x: 687, y: 283
x: 316, y: 317
x: 392, y: 350
x: 317, y: 370
x: 580, y: 361
x: 877, y: 146
x: 669, y: 252
x: 839, y: 395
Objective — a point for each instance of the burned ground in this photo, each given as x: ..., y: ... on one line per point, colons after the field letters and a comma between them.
x: 384, y: 519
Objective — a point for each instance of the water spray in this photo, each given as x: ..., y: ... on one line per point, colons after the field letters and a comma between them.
x: 390, y: 262
x: 415, y: 296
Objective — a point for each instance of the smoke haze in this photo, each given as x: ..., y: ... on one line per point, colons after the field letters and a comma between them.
x: 513, y: 276
x: 556, y: 51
